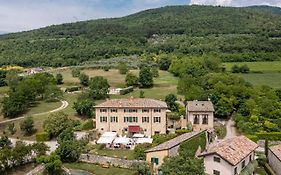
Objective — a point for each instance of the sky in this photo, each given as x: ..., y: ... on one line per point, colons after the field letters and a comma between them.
x: 22, y: 15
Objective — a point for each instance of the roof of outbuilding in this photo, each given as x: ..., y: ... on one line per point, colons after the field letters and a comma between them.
x: 133, y: 103
x: 205, y: 106
x: 233, y: 150
x: 174, y: 142
x: 276, y: 151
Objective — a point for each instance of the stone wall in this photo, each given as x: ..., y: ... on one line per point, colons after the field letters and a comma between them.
x: 117, y: 162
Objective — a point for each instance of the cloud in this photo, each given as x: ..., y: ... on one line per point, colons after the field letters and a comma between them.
x: 237, y: 3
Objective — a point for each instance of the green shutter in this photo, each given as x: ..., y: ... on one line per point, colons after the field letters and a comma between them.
x: 156, y: 161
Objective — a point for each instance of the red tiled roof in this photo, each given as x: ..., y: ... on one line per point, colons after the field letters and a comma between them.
x: 233, y: 150
x: 133, y: 103
x: 276, y: 150
x: 206, y: 106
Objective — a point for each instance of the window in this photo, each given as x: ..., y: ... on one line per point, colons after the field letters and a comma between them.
x: 205, y: 119
x: 145, y: 119
x: 216, y: 172
x: 157, y: 119
x: 155, y: 160
x: 235, y: 171
x: 103, y: 110
x: 113, y: 110
x: 157, y: 110
x: 250, y: 158
x: 103, y: 119
x: 243, y: 164
x: 113, y: 119
x: 217, y: 159
x: 130, y: 119
x: 145, y: 110
x: 196, y: 119
x: 130, y: 110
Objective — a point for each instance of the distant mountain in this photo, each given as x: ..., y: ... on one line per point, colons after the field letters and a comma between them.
x: 194, y: 30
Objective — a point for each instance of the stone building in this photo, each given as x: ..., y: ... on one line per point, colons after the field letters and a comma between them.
x: 200, y: 114
x: 130, y: 116
x: 230, y: 156
x: 274, y: 158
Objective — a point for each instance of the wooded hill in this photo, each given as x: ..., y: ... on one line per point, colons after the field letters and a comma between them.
x: 233, y: 34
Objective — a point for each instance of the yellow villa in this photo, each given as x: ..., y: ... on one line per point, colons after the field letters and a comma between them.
x: 132, y: 115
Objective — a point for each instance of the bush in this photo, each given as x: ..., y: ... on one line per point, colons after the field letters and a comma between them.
x: 42, y: 136
x: 106, y: 68
x: 273, y: 136
x: 72, y: 89
x: 182, y: 131
x: 88, y: 124
x: 75, y: 72
x: 126, y: 90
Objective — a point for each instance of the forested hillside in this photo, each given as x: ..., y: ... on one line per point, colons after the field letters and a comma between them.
x: 233, y: 34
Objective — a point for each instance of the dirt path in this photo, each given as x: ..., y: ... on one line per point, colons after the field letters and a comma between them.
x: 63, y: 106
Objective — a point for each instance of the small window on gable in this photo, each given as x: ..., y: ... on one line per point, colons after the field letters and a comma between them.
x: 217, y: 159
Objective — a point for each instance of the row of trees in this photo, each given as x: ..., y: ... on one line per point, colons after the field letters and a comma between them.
x: 18, y: 155
x: 25, y: 91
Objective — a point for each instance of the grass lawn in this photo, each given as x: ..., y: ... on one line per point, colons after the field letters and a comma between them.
x: 261, y: 73
x: 120, y: 153
x: 39, y: 119
x: 164, y: 84
x: 269, y: 79
x: 269, y: 66
x: 98, y: 170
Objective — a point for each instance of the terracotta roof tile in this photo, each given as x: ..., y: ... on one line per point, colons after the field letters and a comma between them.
x: 233, y: 150
x: 200, y: 106
x: 276, y: 150
x: 133, y: 103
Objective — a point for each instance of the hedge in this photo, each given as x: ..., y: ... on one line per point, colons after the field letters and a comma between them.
x: 273, y: 136
x: 126, y: 90
x: 87, y: 125
x: 42, y: 136
x: 72, y: 89
x: 182, y: 131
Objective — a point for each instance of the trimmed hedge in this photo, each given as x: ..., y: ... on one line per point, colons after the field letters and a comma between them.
x: 42, y: 136
x: 72, y: 89
x: 126, y: 90
x: 182, y: 131
x: 273, y: 136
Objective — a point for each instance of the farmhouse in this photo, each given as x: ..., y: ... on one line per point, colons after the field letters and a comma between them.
x: 230, y: 156
x: 274, y: 158
x: 170, y: 148
x: 131, y: 116
x: 200, y: 114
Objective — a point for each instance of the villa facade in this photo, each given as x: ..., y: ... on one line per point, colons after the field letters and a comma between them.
x: 133, y: 115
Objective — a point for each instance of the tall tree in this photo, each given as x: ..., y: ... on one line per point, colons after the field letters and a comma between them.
x: 99, y: 88
x: 145, y: 77
x: 59, y: 79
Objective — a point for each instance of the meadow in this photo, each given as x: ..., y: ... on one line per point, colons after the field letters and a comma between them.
x: 261, y: 73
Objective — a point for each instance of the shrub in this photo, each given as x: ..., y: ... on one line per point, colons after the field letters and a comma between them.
x: 235, y: 69
x: 42, y: 136
x: 72, y: 89
x: 126, y: 90
x: 182, y: 131
x: 106, y: 68
x: 75, y: 72
x: 88, y: 124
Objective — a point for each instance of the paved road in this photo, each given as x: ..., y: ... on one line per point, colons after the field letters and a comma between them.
x: 230, y: 129
x: 63, y: 106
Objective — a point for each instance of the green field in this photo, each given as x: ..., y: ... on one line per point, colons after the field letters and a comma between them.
x: 269, y: 79
x: 163, y: 85
x: 98, y: 170
x: 265, y: 67
x: 261, y: 73
x: 120, y: 153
